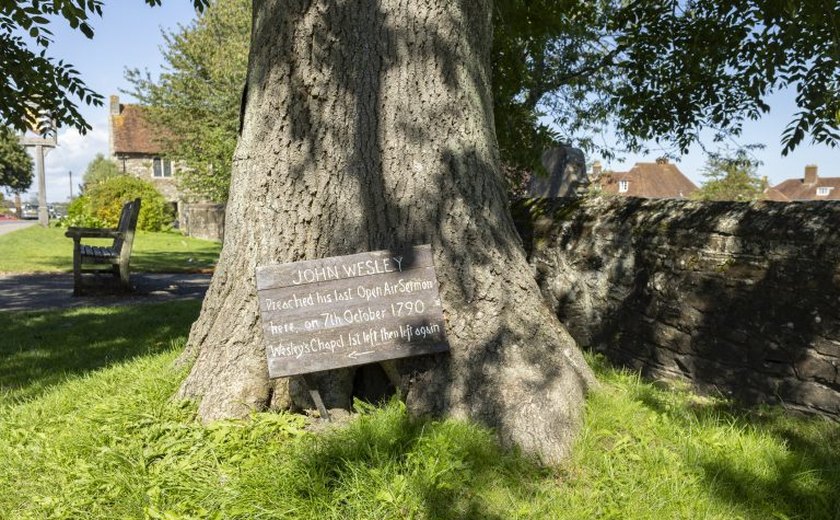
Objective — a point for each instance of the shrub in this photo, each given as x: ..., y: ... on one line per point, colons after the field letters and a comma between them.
x: 102, y: 203
x: 79, y: 214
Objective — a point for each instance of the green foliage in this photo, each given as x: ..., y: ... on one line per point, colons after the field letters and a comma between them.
x: 103, y: 202
x: 717, y: 62
x: 197, y: 99
x: 37, y: 249
x: 15, y: 163
x: 663, y: 70
x: 80, y: 214
x: 564, y: 70
x: 88, y: 429
x: 546, y: 54
x: 731, y: 176
x: 99, y: 170
x: 31, y: 81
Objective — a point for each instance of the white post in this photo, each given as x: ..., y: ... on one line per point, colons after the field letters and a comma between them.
x: 43, y: 214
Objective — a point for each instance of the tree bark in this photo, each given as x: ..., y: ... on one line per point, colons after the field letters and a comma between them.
x: 368, y: 125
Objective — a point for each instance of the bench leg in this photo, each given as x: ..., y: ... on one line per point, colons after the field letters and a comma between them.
x: 122, y: 270
x: 77, y: 268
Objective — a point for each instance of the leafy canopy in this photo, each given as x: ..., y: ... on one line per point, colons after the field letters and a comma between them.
x: 197, y: 98
x: 99, y: 170
x: 569, y: 70
x: 731, y: 176
x: 661, y: 70
x: 15, y: 163
x: 30, y: 80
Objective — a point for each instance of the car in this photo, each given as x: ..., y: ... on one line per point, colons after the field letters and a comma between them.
x: 29, y: 211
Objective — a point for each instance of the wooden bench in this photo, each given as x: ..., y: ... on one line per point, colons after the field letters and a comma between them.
x: 116, y: 256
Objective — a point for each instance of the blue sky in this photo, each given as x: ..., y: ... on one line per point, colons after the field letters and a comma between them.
x: 129, y: 36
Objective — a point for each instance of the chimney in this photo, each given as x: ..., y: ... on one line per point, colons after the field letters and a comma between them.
x: 811, y: 174
x: 661, y: 160
x: 113, y: 110
x: 596, y: 168
x: 115, y: 105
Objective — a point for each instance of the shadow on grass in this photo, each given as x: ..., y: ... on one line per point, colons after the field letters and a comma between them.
x: 40, y: 349
x: 172, y: 262
x: 410, y: 468
x: 802, y: 481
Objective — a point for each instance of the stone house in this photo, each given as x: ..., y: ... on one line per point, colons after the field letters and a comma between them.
x: 810, y: 187
x: 134, y: 145
x: 656, y: 180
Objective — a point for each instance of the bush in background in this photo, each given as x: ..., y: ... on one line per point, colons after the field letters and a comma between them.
x: 102, y: 203
x: 79, y: 214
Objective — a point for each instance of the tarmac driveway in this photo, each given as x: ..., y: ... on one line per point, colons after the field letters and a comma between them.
x: 55, y: 291
x: 7, y: 226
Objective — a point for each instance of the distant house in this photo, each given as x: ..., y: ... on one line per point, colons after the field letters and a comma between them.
x: 810, y: 187
x: 656, y: 180
x: 133, y: 145
x: 773, y: 194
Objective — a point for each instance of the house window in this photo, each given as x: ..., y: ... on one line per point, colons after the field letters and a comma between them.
x: 162, y: 168
x: 623, y: 186
x: 823, y: 191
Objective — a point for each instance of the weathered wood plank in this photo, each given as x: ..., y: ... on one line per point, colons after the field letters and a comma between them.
x: 342, y: 267
x: 365, y: 314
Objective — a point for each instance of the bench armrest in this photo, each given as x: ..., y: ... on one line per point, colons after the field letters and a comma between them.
x: 79, y: 232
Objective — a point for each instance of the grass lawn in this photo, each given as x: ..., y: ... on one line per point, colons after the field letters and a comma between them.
x: 88, y: 430
x: 37, y: 249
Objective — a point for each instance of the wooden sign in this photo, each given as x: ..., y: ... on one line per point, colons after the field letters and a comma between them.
x: 350, y: 310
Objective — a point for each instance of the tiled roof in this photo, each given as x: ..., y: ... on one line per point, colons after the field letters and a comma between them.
x: 649, y: 180
x: 774, y: 194
x: 798, y: 189
x: 132, y: 132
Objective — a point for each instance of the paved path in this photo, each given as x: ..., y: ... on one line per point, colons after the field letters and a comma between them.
x: 51, y: 291
x: 7, y: 226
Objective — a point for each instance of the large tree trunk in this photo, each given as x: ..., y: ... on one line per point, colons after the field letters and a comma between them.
x: 368, y: 125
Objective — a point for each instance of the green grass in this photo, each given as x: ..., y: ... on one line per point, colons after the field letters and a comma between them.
x: 103, y: 439
x: 37, y: 249
x: 40, y: 349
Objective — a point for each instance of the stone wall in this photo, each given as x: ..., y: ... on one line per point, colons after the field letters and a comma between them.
x: 740, y: 299
x: 203, y: 220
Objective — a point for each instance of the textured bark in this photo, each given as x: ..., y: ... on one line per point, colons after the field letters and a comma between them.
x: 369, y: 125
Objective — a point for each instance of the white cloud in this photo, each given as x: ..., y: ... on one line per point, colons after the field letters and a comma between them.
x: 73, y: 154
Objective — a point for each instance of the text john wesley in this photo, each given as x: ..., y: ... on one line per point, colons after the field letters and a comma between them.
x: 352, y: 270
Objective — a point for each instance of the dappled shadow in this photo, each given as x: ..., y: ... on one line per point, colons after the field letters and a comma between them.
x: 369, y: 130
x: 802, y: 482
x: 39, y: 350
x: 55, y: 291
x: 414, y: 468
x: 739, y: 298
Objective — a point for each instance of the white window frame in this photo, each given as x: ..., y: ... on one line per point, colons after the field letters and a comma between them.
x: 623, y: 186
x: 824, y: 191
x: 161, y: 168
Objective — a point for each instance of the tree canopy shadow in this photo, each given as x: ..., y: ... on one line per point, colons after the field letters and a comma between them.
x: 801, y: 482
x: 41, y: 349
x: 738, y: 299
